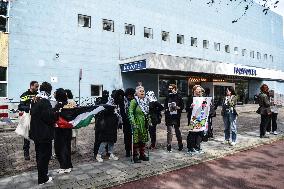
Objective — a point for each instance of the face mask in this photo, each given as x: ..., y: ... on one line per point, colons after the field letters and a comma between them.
x: 169, y: 91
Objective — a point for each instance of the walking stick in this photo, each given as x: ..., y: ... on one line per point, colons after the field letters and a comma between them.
x: 131, y: 154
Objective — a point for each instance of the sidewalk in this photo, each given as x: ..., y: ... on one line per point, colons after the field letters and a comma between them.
x: 88, y: 173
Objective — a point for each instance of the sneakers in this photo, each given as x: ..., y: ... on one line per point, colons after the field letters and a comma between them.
x: 275, y: 133
x: 169, y: 148
x: 48, y: 181
x: 99, y: 158
x: 192, y: 152
x: 61, y: 171
x: 233, y: 143
x: 200, y: 151
x: 113, y: 157
x: 264, y: 136
x: 226, y: 142
x: 267, y: 133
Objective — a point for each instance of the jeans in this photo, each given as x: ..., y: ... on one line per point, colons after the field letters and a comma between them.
x: 230, y: 123
x: 170, y: 134
x: 102, y: 148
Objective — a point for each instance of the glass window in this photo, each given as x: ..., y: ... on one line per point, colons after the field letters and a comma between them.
x: 205, y: 44
x: 108, y: 25
x: 129, y: 29
x: 148, y: 33
x: 84, y: 21
x: 251, y: 54
x: 3, y: 74
x: 236, y: 50
x: 244, y: 52
x: 227, y: 48
x: 3, y: 89
x: 258, y: 55
x: 96, y: 90
x: 165, y: 36
x: 193, y: 42
x: 217, y: 46
x: 180, y: 39
x: 271, y: 58
x: 265, y: 56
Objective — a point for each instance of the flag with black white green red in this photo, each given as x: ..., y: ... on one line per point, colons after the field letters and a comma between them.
x: 78, y: 117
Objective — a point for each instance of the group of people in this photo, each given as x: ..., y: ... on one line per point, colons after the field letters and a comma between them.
x: 136, y: 112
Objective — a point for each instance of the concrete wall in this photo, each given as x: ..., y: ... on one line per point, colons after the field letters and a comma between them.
x: 41, y: 29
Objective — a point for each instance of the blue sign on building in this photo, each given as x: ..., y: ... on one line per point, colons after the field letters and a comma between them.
x: 133, y: 66
x: 244, y: 71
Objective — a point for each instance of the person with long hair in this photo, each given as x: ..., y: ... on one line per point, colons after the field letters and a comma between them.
x: 230, y: 115
x: 264, y: 110
x: 139, y: 118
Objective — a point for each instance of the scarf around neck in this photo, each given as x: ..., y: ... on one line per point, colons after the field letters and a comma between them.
x: 144, y: 104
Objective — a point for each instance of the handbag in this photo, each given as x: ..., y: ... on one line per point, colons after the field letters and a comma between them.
x: 23, y: 126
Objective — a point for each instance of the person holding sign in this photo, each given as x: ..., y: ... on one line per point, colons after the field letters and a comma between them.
x: 199, y: 108
x: 230, y: 114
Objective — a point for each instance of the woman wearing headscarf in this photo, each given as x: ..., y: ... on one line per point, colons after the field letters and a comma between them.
x: 139, y: 118
x: 155, y: 109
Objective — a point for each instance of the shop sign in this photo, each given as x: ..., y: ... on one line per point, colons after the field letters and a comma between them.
x: 244, y: 71
x: 133, y: 66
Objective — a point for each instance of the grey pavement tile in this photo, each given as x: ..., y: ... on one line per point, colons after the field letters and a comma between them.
x: 82, y: 177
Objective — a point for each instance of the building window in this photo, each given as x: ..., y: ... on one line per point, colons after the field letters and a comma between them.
x: 205, y: 44
x: 148, y: 33
x: 244, y: 52
x: 84, y: 21
x: 217, y: 46
x: 108, y: 25
x: 165, y: 36
x: 193, y: 42
x: 236, y: 50
x: 96, y: 90
x: 265, y: 56
x: 258, y: 55
x: 4, y: 16
x: 271, y: 58
x: 129, y: 29
x: 180, y: 39
x: 251, y: 54
x: 3, y: 82
x: 227, y: 48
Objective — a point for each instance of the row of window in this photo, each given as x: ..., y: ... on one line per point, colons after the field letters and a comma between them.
x: 108, y: 25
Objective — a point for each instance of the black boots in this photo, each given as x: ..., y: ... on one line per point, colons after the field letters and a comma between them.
x: 27, y: 155
x: 180, y: 147
x: 136, y: 159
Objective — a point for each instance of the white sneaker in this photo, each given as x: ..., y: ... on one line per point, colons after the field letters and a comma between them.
x: 233, y: 143
x: 48, y: 181
x: 267, y: 133
x: 226, y: 142
x: 275, y: 133
x: 61, y: 171
x: 113, y: 157
x: 99, y: 158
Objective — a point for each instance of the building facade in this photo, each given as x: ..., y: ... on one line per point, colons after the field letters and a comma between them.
x: 117, y: 43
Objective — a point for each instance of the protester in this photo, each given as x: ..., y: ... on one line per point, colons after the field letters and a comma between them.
x: 194, y: 138
x: 155, y: 109
x: 63, y: 136
x: 128, y: 96
x: 139, y: 119
x: 264, y: 110
x: 230, y: 114
x: 212, y: 113
x: 43, y: 119
x: 71, y: 104
x: 274, y: 113
x: 25, y: 102
x: 173, y: 108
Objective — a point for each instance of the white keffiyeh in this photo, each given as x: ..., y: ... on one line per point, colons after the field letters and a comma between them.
x: 144, y: 104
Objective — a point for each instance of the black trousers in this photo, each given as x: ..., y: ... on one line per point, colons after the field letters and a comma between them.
x: 43, y: 154
x: 26, y: 146
x: 272, y: 123
x: 127, y: 137
x: 62, y: 145
x: 153, y: 134
x: 193, y: 140
x: 210, y: 128
x: 265, y: 119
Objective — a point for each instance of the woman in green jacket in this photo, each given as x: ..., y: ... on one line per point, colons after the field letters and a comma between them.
x: 138, y: 114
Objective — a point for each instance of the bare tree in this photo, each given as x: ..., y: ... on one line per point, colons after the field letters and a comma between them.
x: 246, y: 4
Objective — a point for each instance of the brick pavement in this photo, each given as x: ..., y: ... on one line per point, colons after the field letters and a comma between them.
x: 87, y: 173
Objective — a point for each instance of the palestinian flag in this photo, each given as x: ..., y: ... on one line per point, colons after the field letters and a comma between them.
x: 75, y: 118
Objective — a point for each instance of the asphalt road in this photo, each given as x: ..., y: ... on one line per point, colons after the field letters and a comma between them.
x: 262, y: 167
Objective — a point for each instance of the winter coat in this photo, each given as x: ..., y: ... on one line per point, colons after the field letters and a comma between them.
x: 264, y: 104
x: 106, y: 125
x: 43, y: 120
x: 25, y: 101
x: 229, y: 106
x: 155, y: 109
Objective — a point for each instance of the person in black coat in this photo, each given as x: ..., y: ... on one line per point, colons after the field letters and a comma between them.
x: 173, y: 108
x: 25, y: 102
x: 155, y: 109
x: 63, y: 136
x: 43, y: 119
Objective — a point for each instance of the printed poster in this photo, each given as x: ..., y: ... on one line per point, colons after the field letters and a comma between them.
x: 200, y: 112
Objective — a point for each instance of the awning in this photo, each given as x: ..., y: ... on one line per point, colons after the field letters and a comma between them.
x: 153, y: 61
x: 3, y: 49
